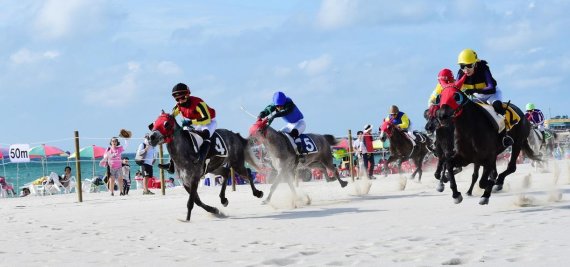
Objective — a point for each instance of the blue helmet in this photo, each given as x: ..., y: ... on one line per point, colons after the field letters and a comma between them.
x: 279, y: 98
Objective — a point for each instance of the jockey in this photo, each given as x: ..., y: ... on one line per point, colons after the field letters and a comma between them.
x: 444, y: 80
x: 400, y: 120
x: 480, y: 83
x: 536, y: 117
x: 195, y: 112
x: 284, y: 107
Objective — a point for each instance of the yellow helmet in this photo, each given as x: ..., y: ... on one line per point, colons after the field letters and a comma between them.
x: 467, y: 56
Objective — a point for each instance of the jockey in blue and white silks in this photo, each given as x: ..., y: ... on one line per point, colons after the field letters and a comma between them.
x: 284, y: 107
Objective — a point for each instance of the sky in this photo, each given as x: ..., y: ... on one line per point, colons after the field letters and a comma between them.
x: 97, y: 66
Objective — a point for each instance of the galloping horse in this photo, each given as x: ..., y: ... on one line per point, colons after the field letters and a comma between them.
x: 476, y: 140
x: 538, y: 144
x: 228, y: 150
x: 401, y: 148
x: 284, y: 157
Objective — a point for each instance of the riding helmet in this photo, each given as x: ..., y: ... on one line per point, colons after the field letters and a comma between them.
x: 279, y: 98
x: 445, y: 76
x: 394, y: 109
x: 180, y: 89
x: 530, y: 106
x: 467, y: 56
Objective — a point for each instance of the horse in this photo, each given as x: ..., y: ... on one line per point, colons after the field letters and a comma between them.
x: 476, y: 141
x: 402, y: 148
x: 229, y: 150
x: 284, y: 157
x: 538, y: 143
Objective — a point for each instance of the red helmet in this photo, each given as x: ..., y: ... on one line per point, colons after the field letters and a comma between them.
x: 445, y: 76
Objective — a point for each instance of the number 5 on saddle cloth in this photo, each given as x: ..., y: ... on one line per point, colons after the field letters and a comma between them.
x: 303, y: 144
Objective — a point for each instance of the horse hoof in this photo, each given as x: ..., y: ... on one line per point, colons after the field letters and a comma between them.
x: 343, y: 183
x: 225, y: 202
x: 484, y: 201
x: 498, y: 188
x: 259, y: 194
x: 469, y: 194
x: 458, y: 199
x: 440, y: 188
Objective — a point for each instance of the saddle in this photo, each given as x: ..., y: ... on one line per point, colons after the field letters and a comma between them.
x: 303, y: 145
x: 501, y: 123
x: 420, y: 137
x: 218, y: 147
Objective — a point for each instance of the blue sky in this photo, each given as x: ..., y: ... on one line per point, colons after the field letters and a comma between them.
x: 97, y: 66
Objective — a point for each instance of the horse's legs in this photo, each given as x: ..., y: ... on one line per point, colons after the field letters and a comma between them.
x: 225, y: 176
x: 190, y: 203
x: 276, y: 182
x: 242, y: 171
x: 489, y: 173
x: 457, y: 198
x: 511, y: 167
x: 325, y: 169
x: 474, y: 177
x: 208, y: 208
x: 390, y: 159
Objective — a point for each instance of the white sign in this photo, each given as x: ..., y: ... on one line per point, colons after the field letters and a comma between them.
x: 19, y: 153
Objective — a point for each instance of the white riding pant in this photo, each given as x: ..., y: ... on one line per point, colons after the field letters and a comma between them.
x: 497, y: 96
x: 299, y: 125
x: 212, y: 126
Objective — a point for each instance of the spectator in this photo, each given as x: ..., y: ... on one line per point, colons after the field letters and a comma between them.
x: 112, y: 159
x: 126, y: 169
x: 65, y: 178
x: 146, y: 151
x: 368, y: 156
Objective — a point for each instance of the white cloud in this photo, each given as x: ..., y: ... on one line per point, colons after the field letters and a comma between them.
x: 316, y: 66
x: 56, y: 18
x: 336, y: 13
x: 119, y: 94
x: 169, y: 68
x: 25, y: 56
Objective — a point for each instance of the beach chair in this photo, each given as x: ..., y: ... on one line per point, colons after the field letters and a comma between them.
x: 93, y: 185
x: 53, y: 185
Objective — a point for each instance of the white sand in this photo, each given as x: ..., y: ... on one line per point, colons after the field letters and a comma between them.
x: 526, y: 225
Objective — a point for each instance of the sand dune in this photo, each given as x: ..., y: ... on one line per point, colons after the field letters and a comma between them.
x: 368, y: 223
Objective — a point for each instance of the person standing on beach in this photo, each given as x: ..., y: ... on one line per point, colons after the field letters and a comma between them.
x: 197, y: 113
x: 126, y: 170
x: 147, y: 152
x: 112, y: 159
x: 368, y: 157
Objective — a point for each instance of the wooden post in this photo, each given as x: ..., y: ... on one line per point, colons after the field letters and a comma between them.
x: 162, y: 183
x: 350, y: 151
x: 233, y: 177
x: 78, y: 188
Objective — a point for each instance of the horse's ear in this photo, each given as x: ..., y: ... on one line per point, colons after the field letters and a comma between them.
x: 151, y: 126
x: 162, y: 112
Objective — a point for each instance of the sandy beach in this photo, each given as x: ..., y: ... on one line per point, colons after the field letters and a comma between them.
x: 524, y: 225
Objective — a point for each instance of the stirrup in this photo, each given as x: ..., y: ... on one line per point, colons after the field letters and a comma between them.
x: 508, y: 141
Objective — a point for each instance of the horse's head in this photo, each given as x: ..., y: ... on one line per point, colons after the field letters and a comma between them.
x: 431, y: 120
x: 259, y: 128
x: 451, y: 101
x: 162, y: 129
x: 386, y: 130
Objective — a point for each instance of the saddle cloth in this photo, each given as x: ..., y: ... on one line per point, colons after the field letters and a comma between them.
x: 304, y: 141
x: 218, y: 147
x: 420, y: 137
x: 499, y: 122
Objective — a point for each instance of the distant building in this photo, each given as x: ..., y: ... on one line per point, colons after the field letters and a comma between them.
x: 558, y: 123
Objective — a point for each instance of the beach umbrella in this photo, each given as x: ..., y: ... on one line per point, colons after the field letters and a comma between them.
x: 43, y: 151
x: 92, y: 152
x: 4, y: 154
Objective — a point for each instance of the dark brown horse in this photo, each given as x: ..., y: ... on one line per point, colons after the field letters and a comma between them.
x: 402, y: 148
x: 183, y: 153
x: 475, y: 140
x: 284, y: 158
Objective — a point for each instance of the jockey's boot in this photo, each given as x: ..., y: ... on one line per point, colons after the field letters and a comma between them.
x: 203, y: 151
x: 498, y: 107
x: 543, y: 133
x: 169, y: 167
x: 412, y: 138
x: 301, y: 150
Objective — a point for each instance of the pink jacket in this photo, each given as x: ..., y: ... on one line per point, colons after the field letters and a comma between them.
x: 112, y: 158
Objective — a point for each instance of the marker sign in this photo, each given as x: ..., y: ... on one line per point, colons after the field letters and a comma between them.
x: 19, y: 153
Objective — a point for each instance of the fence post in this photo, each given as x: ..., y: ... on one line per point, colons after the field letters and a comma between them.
x: 78, y: 169
x: 162, y: 183
x: 350, y: 167
x: 233, y: 177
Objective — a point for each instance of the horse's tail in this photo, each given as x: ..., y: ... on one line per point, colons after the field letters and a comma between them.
x: 330, y: 139
x: 527, y: 150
